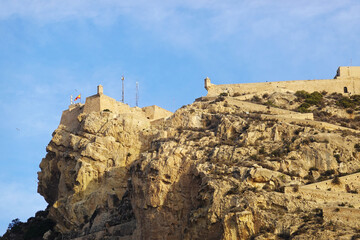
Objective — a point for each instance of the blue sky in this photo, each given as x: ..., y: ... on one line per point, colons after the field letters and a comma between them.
x: 50, y: 49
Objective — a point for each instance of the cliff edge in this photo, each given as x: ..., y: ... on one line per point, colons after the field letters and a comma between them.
x: 224, y: 167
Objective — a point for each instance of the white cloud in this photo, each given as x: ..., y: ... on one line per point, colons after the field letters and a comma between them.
x: 225, y: 16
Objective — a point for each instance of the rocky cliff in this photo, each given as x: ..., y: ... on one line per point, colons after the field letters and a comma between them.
x: 221, y: 168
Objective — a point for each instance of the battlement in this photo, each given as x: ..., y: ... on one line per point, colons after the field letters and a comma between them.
x: 346, y: 81
x: 101, y: 102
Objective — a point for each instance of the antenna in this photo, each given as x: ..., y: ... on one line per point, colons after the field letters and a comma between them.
x: 137, y: 94
x: 123, y: 92
x: 71, y: 99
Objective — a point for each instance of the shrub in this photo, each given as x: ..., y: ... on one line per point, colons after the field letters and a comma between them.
x: 328, y: 172
x: 262, y: 150
x: 266, y: 95
x: 254, y: 157
x: 224, y: 94
x: 311, y: 99
x: 336, y: 181
x: 15, y: 225
x: 314, y: 99
x: 270, y: 104
x: 285, y: 233
x: 38, y: 228
x: 345, y: 102
x: 355, y: 237
x: 303, y: 108
x: 302, y: 94
x: 357, y: 147
x: 350, y: 111
x: 256, y: 98
x: 337, y: 157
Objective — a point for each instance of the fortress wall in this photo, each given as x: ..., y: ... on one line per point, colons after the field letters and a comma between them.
x: 315, y: 124
x: 122, y: 108
x: 69, y: 117
x: 100, y: 102
x: 154, y: 112
x: 149, y: 111
x: 345, y: 72
x: 329, y: 85
x: 92, y: 104
x: 161, y: 113
x: 279, y: 113
x: 352, y: 180
x: 289, y: 117
x: 326, y: 197
x: 349, y: 216
x: 107, y: 103
x: 253, y: 107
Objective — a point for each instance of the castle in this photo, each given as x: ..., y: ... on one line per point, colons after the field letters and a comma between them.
x: 346, y: 81
x: 103, y: 103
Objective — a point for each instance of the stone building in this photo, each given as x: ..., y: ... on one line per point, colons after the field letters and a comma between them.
x: 101, y: 102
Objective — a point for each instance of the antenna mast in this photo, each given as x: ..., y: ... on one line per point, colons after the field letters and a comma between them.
x: 137, y: 94
x: 123, y: 92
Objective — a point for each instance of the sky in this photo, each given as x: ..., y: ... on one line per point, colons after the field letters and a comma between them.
x: 52, y: 49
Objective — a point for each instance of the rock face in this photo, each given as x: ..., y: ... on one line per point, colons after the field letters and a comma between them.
x: 210, y: 171
x: 86, y: 169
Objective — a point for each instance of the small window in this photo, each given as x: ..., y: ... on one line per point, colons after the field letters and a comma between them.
x: 345, y: 90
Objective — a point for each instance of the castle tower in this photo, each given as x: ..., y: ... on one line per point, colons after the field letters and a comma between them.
x: 100, y: 90
x: 208, y: 83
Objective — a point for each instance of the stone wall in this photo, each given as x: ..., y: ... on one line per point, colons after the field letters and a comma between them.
x: 154, y: 112
x: 69, y: 116
x: 346, y: 72
x: 326, y: 197
x: 92, y: 104
x: 352, y: 180
x: 101, y: 102
x: 346, y: 82
x: 328, y: 85
x: 277, y: 113
x: 312, y: 123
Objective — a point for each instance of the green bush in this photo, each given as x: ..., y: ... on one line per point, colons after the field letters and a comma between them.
x: 345, y: 102
x: 310, y: 99
x: 314, y: 98
x: 303, y: 108
x: 302, y: 94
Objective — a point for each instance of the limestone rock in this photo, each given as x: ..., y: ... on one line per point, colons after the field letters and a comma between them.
x: 212, y: 170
